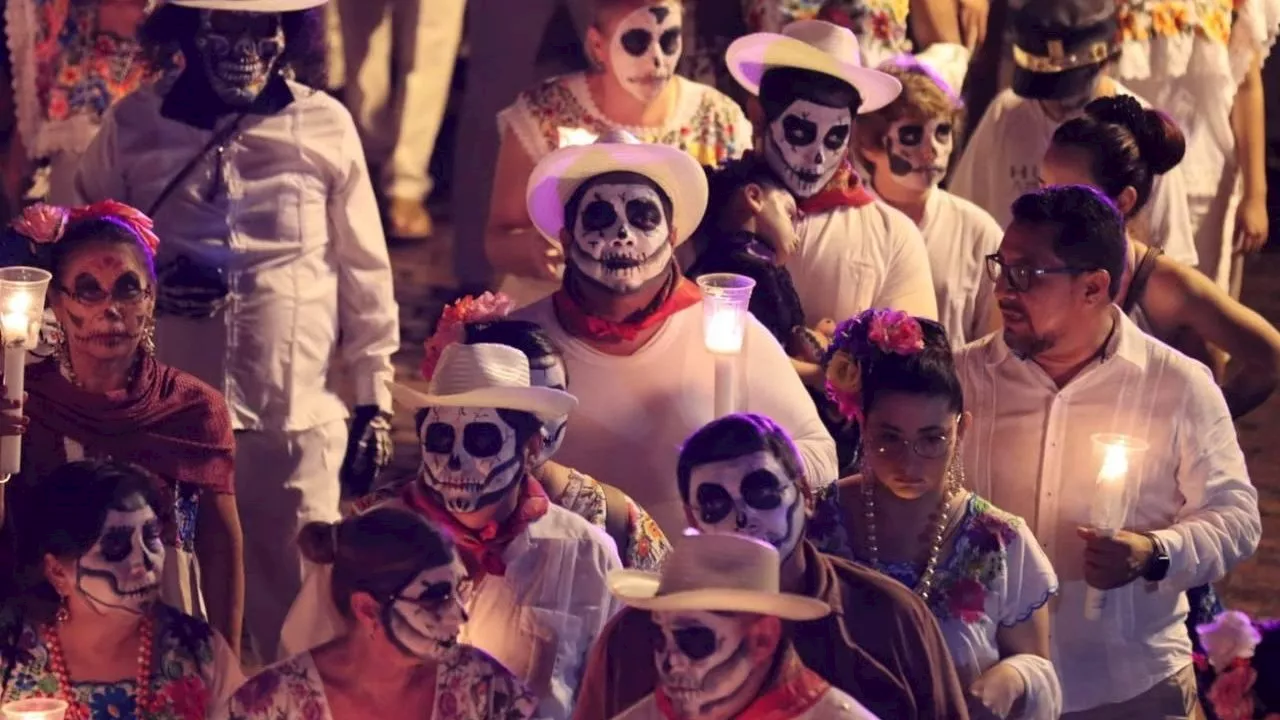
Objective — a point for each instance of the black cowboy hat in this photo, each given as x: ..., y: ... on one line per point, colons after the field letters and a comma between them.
x: 1060, y: 46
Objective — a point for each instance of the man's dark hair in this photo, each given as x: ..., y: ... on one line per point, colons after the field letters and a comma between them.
x: 733, y: 436
x: 781, y: 86
x: 1089, y: 228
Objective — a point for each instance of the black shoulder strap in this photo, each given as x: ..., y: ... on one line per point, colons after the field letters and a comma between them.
x: 218, y: 138
x: 1141, y: 274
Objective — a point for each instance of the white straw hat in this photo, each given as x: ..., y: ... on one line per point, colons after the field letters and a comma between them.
x: 815, y: 45
x: 716, y: 572
x: 485, y: 375
x: 560, y: 174
x: 255, y: 6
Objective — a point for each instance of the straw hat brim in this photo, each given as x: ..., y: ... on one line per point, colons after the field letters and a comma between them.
x: 640, y: 590
x: 559, y: 175
x: 545, y: 403
x: 750, y: 56
x: 255, y: 6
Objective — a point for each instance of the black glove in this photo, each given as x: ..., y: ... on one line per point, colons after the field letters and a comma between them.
x: 369, y: 450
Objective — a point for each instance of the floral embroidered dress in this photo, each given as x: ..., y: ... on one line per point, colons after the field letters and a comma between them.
x: 881, y: 25
x: 706, y: 123
x: 193, y: 675
x: 470, y: 685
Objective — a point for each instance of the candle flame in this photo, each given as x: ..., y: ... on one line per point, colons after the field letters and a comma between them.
x: 723, y: 331
x: 19, y: 303
x: 1115, y: 463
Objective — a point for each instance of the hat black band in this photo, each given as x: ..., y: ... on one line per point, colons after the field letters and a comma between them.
x: 1058, y: 60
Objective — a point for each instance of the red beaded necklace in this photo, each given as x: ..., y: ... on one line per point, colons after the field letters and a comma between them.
x: 147, y: 704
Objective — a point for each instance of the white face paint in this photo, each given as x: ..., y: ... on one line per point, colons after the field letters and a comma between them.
x: 551, y: 376
x: 122, y: 570
x: 469, y: 456
x: 750, y: 495
x: 806, y: 144
x: 238, y: 50
x: 704, y: 663
x: 919, y: 152
x: 645, y: 49
x: 423, y: 619
x: 621, y: 236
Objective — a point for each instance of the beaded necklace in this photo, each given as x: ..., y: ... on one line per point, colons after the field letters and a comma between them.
x: 147, y: 705
x: 924, y: 586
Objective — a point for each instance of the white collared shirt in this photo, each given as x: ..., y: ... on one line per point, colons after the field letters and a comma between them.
x: 959, y: 236
x: 1030, y: 452
x: 298, y: 234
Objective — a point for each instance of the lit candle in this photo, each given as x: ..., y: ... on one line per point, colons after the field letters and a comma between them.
x: 35, y: 709
x: 22, y: 292
x: 574, y: 136
x: 725, y: 298
x: 723, y: 333
x: 15, y: 322
x: 1109, y: 506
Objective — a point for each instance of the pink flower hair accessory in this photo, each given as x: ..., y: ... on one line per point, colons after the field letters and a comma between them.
x: 1229, y: 642
x: 42, y: 224
x: 449, y: 329
x: 45, y: 224
x: 856, y: 342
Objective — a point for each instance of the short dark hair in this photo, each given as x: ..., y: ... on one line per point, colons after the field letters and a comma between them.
x: 619, y: 177
x: 781, y: 86
x: 734, y: 436
x: 1090, y: 232
x: 727, y: 179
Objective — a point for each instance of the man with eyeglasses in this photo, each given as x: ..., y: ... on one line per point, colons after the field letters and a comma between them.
x: 742, y: 474
x: 1068, y: 368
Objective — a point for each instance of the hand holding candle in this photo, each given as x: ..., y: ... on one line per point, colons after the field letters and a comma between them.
x: 725, y: 298
x: 22, y: 291
x: 1110, y: 506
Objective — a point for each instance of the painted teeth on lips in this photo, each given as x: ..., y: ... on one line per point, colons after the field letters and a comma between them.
x: 621, y: 262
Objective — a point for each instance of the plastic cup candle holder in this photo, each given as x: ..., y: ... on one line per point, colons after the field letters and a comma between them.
x: 725, y: 300
x: 1115, y: 453
x: 34, y: 709
x: 22, y: 291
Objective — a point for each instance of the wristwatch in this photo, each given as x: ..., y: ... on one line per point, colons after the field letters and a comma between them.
x: 1158, y: 564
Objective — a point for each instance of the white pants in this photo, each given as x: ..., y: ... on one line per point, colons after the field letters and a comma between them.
x: 399, y: 121
x: 284, y: 480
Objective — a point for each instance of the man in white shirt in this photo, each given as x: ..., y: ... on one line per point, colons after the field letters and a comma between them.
x: 1061, y: 52
x: 1068, y: 367
x: 273, y: 251
x: 631, y: 328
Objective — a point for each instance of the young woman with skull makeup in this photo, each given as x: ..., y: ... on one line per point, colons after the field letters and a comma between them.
x: 905, y: 148
x: 396, y: 582
x: 87, y: 625
x: 104, y: 394
x: 909, y: 515
x: 741, y: 474
x: 634, y: 46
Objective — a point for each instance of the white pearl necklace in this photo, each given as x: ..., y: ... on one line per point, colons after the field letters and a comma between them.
x: 925, y: 585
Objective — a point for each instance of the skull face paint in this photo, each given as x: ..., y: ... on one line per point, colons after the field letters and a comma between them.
x: 552, y: 375
x: 750, y: 495
x: 104, y: 300
x: 621, y: 236
x: 122, y: 570
x: 919, y: 152
x: 806, y: 144
x: 423, y: 619
x: 470, y: 456
x: 238, y: 50
x: 645, y: 49
x: 703, y: 663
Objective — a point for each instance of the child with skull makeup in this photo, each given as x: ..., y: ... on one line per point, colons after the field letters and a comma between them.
x: 905, y: 148
x: 741, y: 475
x: 396, y: 582
x: 87, y: 626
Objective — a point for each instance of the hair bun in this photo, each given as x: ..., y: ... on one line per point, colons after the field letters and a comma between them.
x: 1160, y: 141
x: 318, y: 542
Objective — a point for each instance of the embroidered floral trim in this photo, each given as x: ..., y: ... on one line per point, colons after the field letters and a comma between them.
x: 463, y: 312
x: 1142, y: 20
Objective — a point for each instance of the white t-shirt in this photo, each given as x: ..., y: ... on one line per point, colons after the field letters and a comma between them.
x: 1002, y: 162
x: 634, y: 412
x: 854, y: 259
x: 959, y: 235
x: 833, y: 705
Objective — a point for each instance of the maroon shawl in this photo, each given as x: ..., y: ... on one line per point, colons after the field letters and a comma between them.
x: 167, y: 421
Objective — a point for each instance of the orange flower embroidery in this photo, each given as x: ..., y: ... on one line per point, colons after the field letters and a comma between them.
x: 1131, y: 26
x: 1215, y: 23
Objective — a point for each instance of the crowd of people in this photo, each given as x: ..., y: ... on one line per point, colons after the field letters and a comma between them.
x: 979, y: 459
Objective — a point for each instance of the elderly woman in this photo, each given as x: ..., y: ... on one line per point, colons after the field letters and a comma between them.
x: 86, y: 626
x: 102, y: 394
x: 395, y: 581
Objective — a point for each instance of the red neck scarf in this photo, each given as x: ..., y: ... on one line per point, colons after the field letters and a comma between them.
x: 845, y: 189
x: 166, y: 421
x: 798, y: 690
x: 677, y: 294
x: 482, y: 549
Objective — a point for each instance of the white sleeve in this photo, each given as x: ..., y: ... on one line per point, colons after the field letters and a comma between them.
x: 1043, y: 698
x: 773, y: 389
x: 100, y: 175
x: 743, y: 132
x: 368, y: 317
x: 1029, y: 578
x: 908, y: 282
x: 227, y: 679
x: 1171, y: 228
x: 1218, y: 525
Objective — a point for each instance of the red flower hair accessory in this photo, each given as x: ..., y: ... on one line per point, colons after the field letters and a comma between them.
x: 855, y: 344
x: 1229, y: 642
x: 45, y: 224
x: 463, y: 312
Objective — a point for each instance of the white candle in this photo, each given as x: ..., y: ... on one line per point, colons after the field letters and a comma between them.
x: 35, y: 709
x: 723, y: 331
x: 15, y: 325
x: 1108, y: 509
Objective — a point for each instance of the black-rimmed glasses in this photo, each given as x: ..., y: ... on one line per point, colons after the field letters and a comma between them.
x: 1022, y: 278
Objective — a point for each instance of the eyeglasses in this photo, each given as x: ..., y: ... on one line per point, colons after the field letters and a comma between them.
x: 1022, y: 278
x: 929, y: 448
x: 123, y: 295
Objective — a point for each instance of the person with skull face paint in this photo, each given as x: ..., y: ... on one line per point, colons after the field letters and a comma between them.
x: 87, y: 626
x: 273, y: 251
x: 622, y: 208
x: 908, y: 514
x: 855, y: 252
x: 1063, y: 50
x: 905, y: 148
x: 102, y: 393
x: 725, y: 651
x: 634, y: 46
x: 741, y: 474
x: 396, y: 583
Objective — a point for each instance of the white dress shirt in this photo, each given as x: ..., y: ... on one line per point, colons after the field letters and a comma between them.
x: 959, y: 236
x: 296, y: 231
x: 1030, y: 452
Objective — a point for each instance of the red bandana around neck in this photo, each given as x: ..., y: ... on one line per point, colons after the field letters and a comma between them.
x: 679, y: 293
x: 481, y: 550
x: 795, y: 693
x: 844, y: 190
